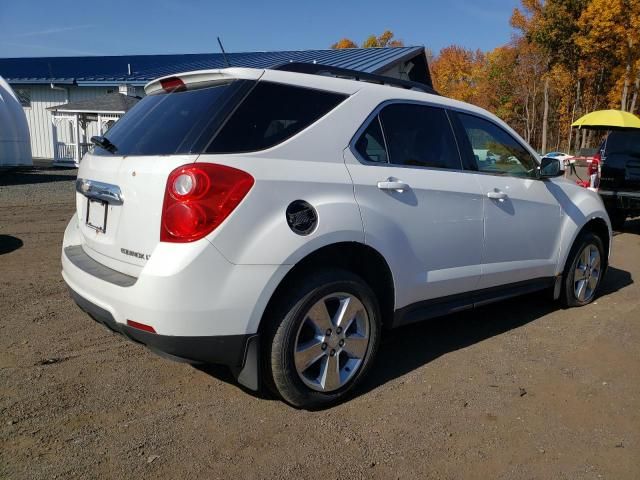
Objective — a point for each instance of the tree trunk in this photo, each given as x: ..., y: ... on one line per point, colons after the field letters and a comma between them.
x: 545, y: 115
x: 573, y: 116
x: 627, y: 74
x: 632, y: 108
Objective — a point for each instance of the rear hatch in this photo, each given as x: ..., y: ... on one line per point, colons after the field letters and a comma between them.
x: 621, y: 161
x: 121, y: 182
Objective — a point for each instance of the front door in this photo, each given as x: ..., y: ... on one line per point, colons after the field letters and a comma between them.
x: 419, y: 208
x: 522, y: 216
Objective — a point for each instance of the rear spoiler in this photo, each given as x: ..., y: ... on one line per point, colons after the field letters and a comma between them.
x: 201, y: 79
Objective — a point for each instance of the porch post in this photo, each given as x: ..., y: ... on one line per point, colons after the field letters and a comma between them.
x: 76, y: 134
x: 99, y: 124
x: 54, y: 136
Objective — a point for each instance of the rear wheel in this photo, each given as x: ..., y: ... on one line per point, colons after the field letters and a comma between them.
x: 322, y: 339
x: 584, y: 271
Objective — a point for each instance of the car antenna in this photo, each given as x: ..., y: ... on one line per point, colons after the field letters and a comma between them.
x: 224, y: 54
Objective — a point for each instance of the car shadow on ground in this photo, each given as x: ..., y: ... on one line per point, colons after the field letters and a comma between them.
x: 36, y: 175
x: 9, y: 243
x: 408, y: 348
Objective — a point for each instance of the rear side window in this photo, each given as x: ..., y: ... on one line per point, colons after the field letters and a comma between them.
x: 420, y: 136
x: 623, y: 142
x: 371, y: 143
x: 271, y: 114
x: 173, y: 123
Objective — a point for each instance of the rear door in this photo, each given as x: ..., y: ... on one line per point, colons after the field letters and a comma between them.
x: 121, y: 184
x: 522, y: 215
x: 418, y: 206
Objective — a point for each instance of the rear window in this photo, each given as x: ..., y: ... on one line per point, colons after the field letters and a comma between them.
x: 174, y: 123
x: 623, y: 142
x: 271, y: 114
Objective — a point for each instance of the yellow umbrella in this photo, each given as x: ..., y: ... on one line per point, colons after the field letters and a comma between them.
x: 608, y: 119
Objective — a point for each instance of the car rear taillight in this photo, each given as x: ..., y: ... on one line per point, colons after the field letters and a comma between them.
x: 198, y: 198
x: 595, y: 163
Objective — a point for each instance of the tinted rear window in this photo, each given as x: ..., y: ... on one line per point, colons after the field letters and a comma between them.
x: 623, y: 142
x: 271, y: 114
x: 419, y: 136
x: 174, y: 123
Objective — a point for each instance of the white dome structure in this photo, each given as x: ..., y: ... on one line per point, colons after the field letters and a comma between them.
x: 15, y: 143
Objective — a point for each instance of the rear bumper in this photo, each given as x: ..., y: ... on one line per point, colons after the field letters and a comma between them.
x: 184, y: 290
x: 238, y: 352
x: 623, y: 200
x: 227, y: 350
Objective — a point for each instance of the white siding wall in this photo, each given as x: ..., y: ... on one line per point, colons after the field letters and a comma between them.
x: 39, y: 118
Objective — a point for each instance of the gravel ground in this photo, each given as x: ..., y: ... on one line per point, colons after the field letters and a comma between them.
x: 516, y: 390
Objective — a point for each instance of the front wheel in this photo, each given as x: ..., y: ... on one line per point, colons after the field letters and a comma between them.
x: 584, y: 271
x: 322, y: 339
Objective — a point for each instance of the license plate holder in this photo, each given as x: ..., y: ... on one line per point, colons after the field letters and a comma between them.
x: 97, y: 215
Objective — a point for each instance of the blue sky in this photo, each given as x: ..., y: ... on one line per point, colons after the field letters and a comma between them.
x: 31, y: 28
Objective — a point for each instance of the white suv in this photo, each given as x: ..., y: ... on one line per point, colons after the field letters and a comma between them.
x: 275, y: 221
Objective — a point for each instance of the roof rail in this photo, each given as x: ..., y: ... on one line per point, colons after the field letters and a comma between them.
x: 318, y: 69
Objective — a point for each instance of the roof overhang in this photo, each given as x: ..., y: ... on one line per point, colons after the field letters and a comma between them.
x: 101, y: 112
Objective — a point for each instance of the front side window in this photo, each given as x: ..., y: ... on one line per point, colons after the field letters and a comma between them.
x: 494, y: 150
x: 420, y: 136
x: 271, y: 114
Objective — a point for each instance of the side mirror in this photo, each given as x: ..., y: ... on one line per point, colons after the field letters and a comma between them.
x: 549, y: 168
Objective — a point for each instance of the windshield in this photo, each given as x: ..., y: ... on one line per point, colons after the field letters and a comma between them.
x: 173, y: 123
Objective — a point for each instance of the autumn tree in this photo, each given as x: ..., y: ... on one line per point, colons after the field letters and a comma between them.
x: 344, y: 43
x: 610, y: 35
x: 457, y: 73
x: 386, y: 39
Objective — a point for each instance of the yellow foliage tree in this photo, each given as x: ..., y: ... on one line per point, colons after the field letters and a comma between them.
x: 458, y: 72
x: 610, y: 35
x: 344, y: 43
x: 386, y: 39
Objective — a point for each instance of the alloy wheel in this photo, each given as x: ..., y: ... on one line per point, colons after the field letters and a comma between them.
x: 332, y: 342
x: 587, y: 273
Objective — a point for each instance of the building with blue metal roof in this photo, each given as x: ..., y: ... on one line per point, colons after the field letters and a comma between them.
x: 45, y: 82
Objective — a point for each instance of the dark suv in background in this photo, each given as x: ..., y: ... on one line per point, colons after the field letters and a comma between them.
x: 620, y: 175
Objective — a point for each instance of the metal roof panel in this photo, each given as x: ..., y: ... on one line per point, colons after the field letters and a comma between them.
x: 144, y: 68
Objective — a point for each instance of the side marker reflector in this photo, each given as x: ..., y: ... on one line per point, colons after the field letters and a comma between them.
x: 141, y: 326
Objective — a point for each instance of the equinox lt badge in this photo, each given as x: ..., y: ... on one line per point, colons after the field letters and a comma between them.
x: 131, y: 253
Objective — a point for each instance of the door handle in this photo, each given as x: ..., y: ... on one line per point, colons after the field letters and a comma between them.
x: 393, y: 184
x: 497, y: 195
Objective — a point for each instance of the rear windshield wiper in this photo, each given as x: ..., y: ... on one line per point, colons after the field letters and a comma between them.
x: 104, y: 142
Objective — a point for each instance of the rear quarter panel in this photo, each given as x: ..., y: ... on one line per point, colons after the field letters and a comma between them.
x: 308, y: 166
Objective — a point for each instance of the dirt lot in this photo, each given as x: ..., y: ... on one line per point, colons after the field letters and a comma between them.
x: 517, y: 390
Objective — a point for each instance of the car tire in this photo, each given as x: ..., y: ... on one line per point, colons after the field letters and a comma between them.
x: 584, y: 270
x: 313, y: 364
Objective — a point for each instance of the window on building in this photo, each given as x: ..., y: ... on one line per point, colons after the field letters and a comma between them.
x: 24, y: 97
